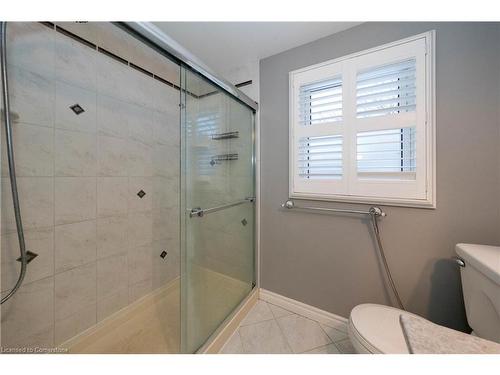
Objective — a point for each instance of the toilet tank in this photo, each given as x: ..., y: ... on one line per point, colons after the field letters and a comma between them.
x: 481, y: 288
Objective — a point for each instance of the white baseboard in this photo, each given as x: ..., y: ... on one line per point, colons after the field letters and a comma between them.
x: 300, y: 308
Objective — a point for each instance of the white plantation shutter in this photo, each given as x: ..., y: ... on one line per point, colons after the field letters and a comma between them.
x: 318, y: 141
x: 360, y: 129
x: 320, y: 157
x: 385, y: 90
x: 321, y: 102
x: 391, y: 153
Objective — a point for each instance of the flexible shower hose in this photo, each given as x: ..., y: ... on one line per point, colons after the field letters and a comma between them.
x: 374, y: 216
x: 12, y: 168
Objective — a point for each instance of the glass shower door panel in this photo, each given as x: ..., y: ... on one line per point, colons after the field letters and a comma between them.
x: 218, y: 184
x: 220, y: 269
x: 219, y: 146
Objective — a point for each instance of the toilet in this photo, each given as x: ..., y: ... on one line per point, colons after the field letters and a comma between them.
x: 376, y: 328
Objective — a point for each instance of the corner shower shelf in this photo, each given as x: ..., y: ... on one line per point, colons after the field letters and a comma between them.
x: 227, y: 135
x: 216, y: 159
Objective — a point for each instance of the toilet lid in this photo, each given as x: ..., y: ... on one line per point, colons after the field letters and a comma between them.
x: 377, y: 328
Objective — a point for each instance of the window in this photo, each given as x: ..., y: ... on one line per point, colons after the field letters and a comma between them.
x: 362, y: 126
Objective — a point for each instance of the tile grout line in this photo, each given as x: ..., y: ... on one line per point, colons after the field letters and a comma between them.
x: 331, y: 340
x: 129, y: 263
x: 281, y: 331
x: 85, y: 88
x: 241, y: 341
x: 96, y: 199
x: 54, y: 188
x: 260, y: 321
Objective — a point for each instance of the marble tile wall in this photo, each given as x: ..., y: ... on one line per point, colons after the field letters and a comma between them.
x: 99, y: 244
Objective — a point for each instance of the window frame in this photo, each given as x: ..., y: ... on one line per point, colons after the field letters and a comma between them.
x: 343, y: 192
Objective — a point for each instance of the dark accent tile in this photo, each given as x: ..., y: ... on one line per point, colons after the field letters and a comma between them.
x: 75, y: 37
x: 29, y: 256
x: 246, y: 83
x: 48, y: 24
x: 141, y: 194
x: 77, y: 109
x: 112, y: 55
x: 163, y: 254
x: 142, y: 70
x: 162, y: 80
x: 109, y: 54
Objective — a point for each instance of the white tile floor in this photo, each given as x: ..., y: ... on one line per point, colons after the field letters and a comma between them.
x: 271, y: 329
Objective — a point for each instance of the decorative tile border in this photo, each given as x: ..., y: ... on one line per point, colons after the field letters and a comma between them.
x: 115, y: 57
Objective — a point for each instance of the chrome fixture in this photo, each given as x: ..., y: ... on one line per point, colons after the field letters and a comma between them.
x: 216, y: 159
x: 12, y: 167
x: 227, y: 135
x: 459, y: 261
x: 375, y: 213
x: 200, y: 212
x: 157, y: 38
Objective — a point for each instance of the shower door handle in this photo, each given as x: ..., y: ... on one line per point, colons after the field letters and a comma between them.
x: 200, y: 212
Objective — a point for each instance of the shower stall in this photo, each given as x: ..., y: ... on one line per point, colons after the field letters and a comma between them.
x: 135, y: 169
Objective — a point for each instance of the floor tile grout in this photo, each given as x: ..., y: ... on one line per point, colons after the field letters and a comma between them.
x: 284, y: 336
x: 275, y: 319
x: 321, y: 346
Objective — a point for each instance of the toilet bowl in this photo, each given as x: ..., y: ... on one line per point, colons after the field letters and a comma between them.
x: 377, y: 328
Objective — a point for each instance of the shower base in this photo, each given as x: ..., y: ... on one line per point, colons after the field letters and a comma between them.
x: 152, y: 324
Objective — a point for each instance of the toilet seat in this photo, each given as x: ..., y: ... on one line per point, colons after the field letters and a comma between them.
x: 376, y: 329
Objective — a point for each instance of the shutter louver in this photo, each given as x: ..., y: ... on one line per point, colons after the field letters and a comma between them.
x: 320, y: 157
x: 388, y: 152
x: 321, y: 102
x: 386, y: 90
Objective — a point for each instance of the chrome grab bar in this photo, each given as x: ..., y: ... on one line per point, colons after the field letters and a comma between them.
x: 375, y: 210
x: 200, y: 212
x: 375, y: 213
x: 459, y: 261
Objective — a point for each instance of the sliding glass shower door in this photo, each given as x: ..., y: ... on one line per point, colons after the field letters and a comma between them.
x: 217, y: 209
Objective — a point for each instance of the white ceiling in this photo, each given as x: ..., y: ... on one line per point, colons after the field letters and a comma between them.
x: 224, y: 46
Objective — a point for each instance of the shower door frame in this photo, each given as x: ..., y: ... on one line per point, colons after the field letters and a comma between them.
x: 156, y: 39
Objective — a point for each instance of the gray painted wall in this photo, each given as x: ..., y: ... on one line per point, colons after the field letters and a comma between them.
x: 330, y: 261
